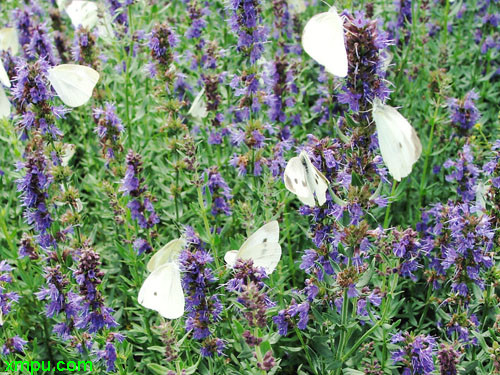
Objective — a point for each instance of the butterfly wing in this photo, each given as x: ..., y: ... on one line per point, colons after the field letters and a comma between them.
x: 67, y: 153
x: 323, y: 40
x: 162, y: 292
x: 198, y: 109
x: 399, y: 143
x: 230, y: 258
x: 73, y: 83
x: 4, y: 78
x: 298, y: 6
x: 266, y: 255
x: 9, y: 40
x: 4, y: 104
x: 317, y: 182
x: 269, y: 232
x: 83, y: 13
x: 296, y: 182
x: 167, y: 254
x: 263, y: 247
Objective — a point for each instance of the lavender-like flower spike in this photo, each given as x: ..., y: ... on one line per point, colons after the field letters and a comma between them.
x: 284, y: 320
x: 219, y: 191
x: 365, y: 45
x: 448, y: 359
x: 247, y: 283
x: 33, y: 188
x: 40, y: 47
x: 119, y: 11
x: 196, y: 21
x: 60, y: 300
x: 400, y: 32
x: 6, y: 298
x: 202, y: 306
x: 109, y: 128
x: 84, y: 50
x: 109, y: 352
x: 245, y: 22
x: 13, y: 345
x: 162, y: 40
x: 141, y: 204
x: 95, y: 314
x: 463, y: 113
x: 416, y: 354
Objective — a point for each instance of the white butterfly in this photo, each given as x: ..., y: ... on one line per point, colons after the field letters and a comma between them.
x: 399, y: 143
x: 83, y: 13
x: 481, y: 192
x: 323, y: 40
x: 68, y: 150
x: 4, y: 101
x: 61, y: 4
x: 4, y: 104
x: 297, y: 6
x: 9, y: 40
x: 262, y: 247
x: 198, y: 109
x: 304, y: 180
x: 162, y: 289
x: 73, y: 83
x: 4, y: 78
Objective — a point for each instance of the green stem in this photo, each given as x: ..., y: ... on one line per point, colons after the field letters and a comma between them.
x: 343, y: 331
x: 427, y: 155
x: 206, y: 223
x: 306, y: 350
x: 6, y: 233
x: 379, y: 323
x: 127, y: 79
x: 388, y: 209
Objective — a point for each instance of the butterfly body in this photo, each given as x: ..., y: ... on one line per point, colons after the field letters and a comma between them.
x: 304, y: 180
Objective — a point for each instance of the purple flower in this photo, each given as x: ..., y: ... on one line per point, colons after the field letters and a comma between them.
x: 463, y: 113
x: 84, y: 50
x: 245, y: 22
x: 6, y: 298
x: 40, y: 47
x: 416, y: 354
x: 365, y: 45
x: 448, y: 359
x: 14, y: 344
x: 95, y: 314
x: 197, y: 23
x: 219, y: 190
x: 141, y: 205
x: 202, y: 306
x: 109, y: 128
x: 161, y: 41
x: 284, y: 318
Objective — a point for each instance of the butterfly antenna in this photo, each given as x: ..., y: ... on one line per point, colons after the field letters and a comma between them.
x: 324, y: 2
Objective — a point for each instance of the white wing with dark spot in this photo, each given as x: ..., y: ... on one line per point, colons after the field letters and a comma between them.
x: 262, y: 247
x: 162, y: 292
x: 316, y: 181
x: 296, y: 181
